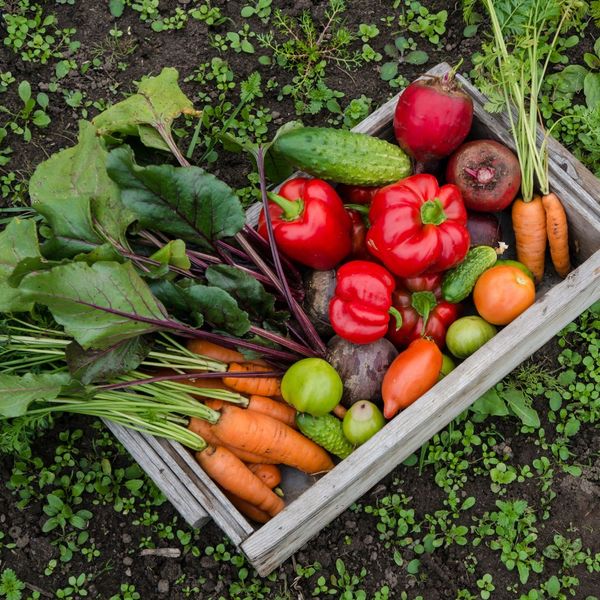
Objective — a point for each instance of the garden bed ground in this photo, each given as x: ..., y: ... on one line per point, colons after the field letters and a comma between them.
x: 134, y: 543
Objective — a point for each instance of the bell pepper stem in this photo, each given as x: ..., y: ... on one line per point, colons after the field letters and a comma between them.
x: 397, y: 316
x: 360, y: 208
x: 432, y: 212
x: 292, y: 209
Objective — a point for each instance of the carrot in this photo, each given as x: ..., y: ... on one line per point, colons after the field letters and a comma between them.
x: 558, y: 233
x: 270, y: 475
x: 247, y: 509
x: 278, y: 410
x: 205, y: 431
x: 268, y: 437
x: 529, y: 223
x: 214, y: 351
x: 213, y: 383
x: 266, y: 406
x: 226, y: 469
x: 220, y: 353
x: 262, y: 386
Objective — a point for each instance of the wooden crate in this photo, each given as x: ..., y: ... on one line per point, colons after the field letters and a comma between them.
x: 558, y: 302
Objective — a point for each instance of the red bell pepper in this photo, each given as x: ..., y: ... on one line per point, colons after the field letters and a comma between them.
x: 424, y: 313
x: 310, y: 223
x: 418, y: 227
x: 362, y: 303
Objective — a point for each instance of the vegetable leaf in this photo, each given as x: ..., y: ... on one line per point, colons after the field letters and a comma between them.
x: 18, y: 392
x: 591, y: 89
x: 490, y: 404
x: 185, y: 202
x: 17, y: 242
x: 520, y: 406
x: 219, y: 308
x: 150, y: 112
x: 89, y: 366
x: 84, y: 299
x: 249, y: 292
x: 74, y: 193
x: 174, y: 254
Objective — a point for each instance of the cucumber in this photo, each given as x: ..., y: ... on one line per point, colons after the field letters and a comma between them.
x: 459, y: 282
x: 515, y: 263
x: 325, y: 431
x: 343, y: 156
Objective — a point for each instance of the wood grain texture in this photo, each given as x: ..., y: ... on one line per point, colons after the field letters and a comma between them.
x: 159, y: 466
x: 331, y: 495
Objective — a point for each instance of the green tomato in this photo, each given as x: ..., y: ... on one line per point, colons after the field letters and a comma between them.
x: 467, y: 334
x: 362, y: 421
x: 447, y: 365
x: 313, y: 386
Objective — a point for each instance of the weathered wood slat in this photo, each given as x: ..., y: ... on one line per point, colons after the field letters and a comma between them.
x: 320, y: 504
x: 160, y: 468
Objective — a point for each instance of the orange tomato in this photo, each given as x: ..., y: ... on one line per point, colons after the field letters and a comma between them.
x: 502, y: 293
x: 412, y: 373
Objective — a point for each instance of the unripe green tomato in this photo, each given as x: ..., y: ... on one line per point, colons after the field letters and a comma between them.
x: 362, y: 421
x: 313, y: 386
x: 447, y: 365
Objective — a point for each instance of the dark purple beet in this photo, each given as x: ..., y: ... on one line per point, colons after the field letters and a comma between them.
x: 484, y: 229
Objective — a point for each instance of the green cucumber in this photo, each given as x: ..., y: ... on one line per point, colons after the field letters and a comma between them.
x: 343, y: 156
x: 459, y: 282
x: 325, y: 431
x: 515, y: 263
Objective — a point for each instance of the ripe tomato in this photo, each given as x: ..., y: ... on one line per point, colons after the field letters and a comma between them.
x: 502, y: 293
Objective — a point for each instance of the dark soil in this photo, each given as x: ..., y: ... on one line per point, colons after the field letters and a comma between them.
x: 353, y: 536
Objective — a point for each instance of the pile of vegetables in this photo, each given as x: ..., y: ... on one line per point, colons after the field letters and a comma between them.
x: 138, y: 293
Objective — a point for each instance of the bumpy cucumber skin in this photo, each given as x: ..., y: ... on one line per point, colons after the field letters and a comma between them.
x: 459, y: 282
x: 325, y: 431
x: 343, y: 156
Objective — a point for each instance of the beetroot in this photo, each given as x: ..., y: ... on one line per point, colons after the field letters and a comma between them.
x: 484, y: 229
x: 487, y: 173
x: 433, y: 117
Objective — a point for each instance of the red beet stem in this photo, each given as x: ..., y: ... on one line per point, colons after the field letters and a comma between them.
x: 483, y: 175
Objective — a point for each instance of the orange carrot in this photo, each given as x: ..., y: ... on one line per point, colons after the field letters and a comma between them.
x: 268, y: 437
x: 205, y: 431
x: 558, y: 233
x: 214, y: 351
x: 278, y: 410
x: 226, y: 469
x: 529, y: 223
x: 270, y: 475
x: 218, y: 352
x: 262, y: 386
x: 247, y: 509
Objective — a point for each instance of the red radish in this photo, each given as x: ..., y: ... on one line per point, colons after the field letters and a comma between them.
x: 433, y: 117
x: 484, y: 229
x: 487, y: 173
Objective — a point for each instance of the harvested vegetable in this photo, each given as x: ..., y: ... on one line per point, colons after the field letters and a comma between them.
x: 361, y: 367
x: 432, y: 118
x: 502, y: 293
x: 226, y: 469
x: 487, y: 174
x: 361, y: 306
x: 459, y: 282
x: 418, y: 226
x: 362, y: 421
x: 413, y: 372
x: 312, y: 386
x: 263, y: 405
x: 248, y: 509
x: 448, y: 365
x: 515, y: 263
x: 325, y: 430
x: 529, y: 224
x: 261, y: 386
x: 423, y: 311
x: 467, y: 334
x: 484, y: 229
x: 310, y: 223
x: 356, y: 194
x: 558, y: 233
x: 343, y: 156
x: 268, y: 437
x: 320, y: 287
x: 270, y: 475
x: 215, y: 351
